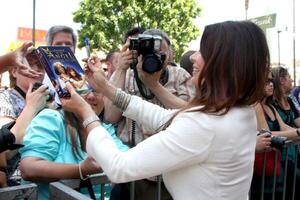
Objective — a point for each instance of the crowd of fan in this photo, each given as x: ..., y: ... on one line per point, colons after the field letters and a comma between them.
x: 48, y: 156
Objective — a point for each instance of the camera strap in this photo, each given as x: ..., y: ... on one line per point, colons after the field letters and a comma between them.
x: 146, y: 93
x: 164, y: 78
x: 20, y: 91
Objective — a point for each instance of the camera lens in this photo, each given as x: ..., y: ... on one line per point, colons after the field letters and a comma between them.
x: 152, y: 63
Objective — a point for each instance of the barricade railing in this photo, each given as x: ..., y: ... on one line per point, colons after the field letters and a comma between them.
x: 67, y: 189
x: 282, y: 187
x: 28, y: 191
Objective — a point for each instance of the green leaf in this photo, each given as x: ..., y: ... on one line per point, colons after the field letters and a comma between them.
x: 105, y: 21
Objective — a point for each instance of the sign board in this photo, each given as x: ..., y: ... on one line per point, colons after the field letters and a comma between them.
x: 25, y: 34
x: 264, y: 22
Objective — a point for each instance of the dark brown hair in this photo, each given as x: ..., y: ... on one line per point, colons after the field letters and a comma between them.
x: 237, y: 62
x: 77, y: 76
x: 236, y: 57
x: 277, y: 73
x: 73, y: 128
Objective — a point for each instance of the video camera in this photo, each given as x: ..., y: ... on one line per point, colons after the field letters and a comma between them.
x: 149, y: 46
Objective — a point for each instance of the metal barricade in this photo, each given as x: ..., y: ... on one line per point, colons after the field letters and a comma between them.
x: 66, y: 189
x: 28, y: 191
x: 283, y: 187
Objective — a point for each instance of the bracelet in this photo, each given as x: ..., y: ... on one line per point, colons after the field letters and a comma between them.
x: 298, y: 132
x: 122, y: 99
x: 90, y: 120
x: 80, y: 173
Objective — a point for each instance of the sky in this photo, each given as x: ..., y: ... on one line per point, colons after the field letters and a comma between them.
x: 53, y: 12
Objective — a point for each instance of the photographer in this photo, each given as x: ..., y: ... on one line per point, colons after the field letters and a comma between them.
x: 170, y: 87
x: 269, y: 119
x: 19, y: 104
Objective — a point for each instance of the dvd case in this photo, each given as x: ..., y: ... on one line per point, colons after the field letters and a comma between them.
x: 61, y: 66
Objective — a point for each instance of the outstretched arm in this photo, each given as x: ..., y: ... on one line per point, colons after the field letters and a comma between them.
x: 111, y: 113
x: 38, y: 169
x: 179, y: 149
x: 17, y: 59
x: 35, y: 101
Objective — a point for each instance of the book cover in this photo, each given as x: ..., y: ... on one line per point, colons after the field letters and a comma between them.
x: 61, y: 66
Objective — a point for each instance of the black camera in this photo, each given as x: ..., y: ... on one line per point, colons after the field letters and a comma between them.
x: 276, y: 141
x: 36, y: 85
x: 149, y: 47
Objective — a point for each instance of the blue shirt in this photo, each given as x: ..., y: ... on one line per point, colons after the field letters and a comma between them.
x: 47, y: 138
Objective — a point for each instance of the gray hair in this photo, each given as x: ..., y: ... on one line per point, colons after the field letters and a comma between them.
x: 58, y: 29
x: 160, y: 33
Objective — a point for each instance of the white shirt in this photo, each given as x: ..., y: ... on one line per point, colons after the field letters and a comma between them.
x: 201, y: 156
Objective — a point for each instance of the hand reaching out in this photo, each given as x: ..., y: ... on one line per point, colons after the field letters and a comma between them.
x: 95, y: 74
x: 75, y: 103
x: 37, y: 99
x: 18, y: 59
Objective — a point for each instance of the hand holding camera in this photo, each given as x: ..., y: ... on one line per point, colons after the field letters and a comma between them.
x: 149, y: 46
x: 125, y: 58
x: 151, y: 80
x: 276, y: 142
x: 151, y: 59
x: 38, y: 96
x: 263, y: 142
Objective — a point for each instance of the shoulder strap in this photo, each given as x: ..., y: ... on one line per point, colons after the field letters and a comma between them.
x: 266, y: 114
x: 273, y: 111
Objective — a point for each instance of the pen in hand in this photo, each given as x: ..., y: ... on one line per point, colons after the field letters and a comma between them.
x: 87, y: 47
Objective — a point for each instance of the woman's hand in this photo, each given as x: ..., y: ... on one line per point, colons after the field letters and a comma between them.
x: 37, y: 100
x: 263, y: 143
x: 90, y: 166
x: 76, y: 104
x: 17, y: 58
x: 96, y: 61
x: 95, y: 75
